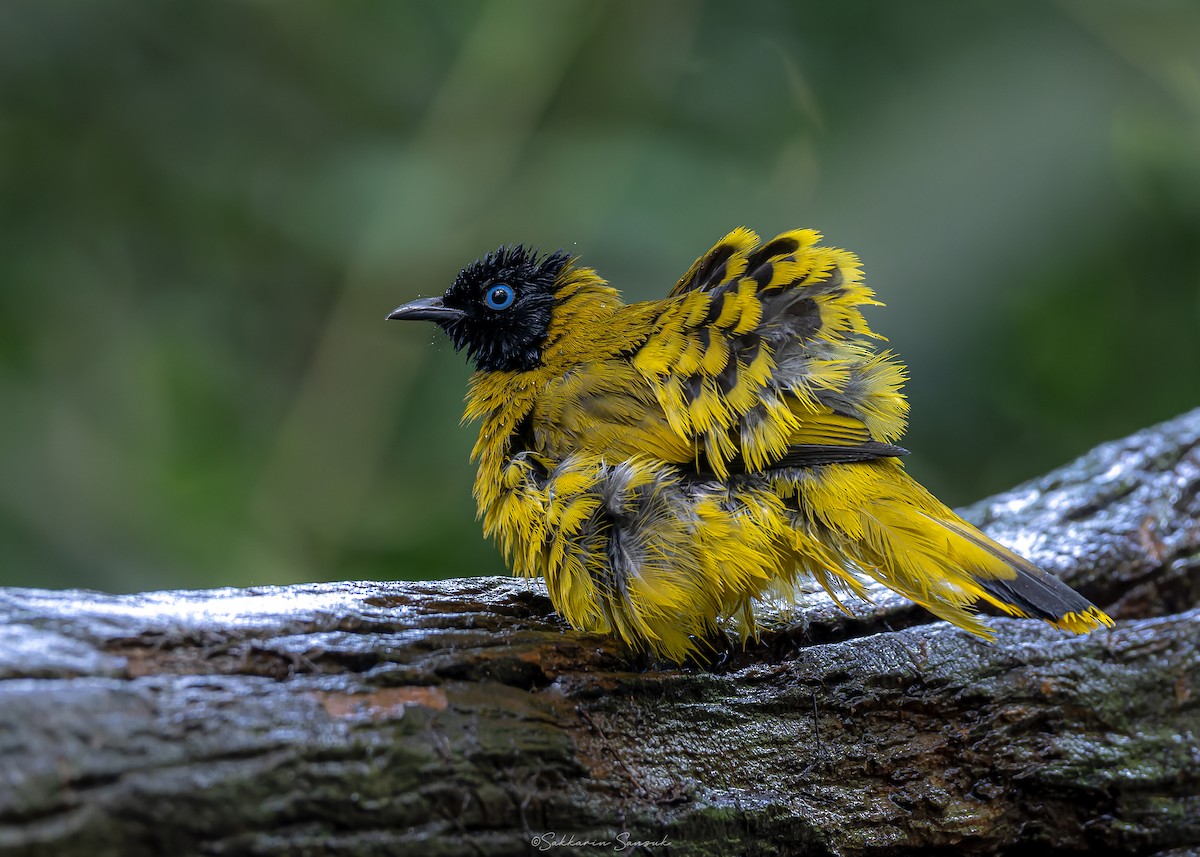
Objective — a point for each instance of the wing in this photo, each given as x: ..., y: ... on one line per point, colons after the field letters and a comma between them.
x: 760, y: 359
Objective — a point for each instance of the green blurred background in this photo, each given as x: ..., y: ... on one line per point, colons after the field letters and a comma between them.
x: 207, y: 208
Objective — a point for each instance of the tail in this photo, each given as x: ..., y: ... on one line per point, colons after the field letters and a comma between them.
x: 890, y: 528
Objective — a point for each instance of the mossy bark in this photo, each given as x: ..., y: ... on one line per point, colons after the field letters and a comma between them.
x: 461, y: 717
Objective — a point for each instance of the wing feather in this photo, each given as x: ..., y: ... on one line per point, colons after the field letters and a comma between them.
x: 762, y: 359
x: 758, y: 359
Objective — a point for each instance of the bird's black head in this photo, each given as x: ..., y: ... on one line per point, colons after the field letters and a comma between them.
x: 498, y: 308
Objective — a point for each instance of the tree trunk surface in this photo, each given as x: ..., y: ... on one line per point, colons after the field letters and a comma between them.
x: 462, y: 717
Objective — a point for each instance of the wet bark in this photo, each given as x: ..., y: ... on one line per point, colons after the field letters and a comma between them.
x: 461, y: 717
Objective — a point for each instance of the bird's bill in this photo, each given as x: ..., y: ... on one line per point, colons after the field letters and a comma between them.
x: 426, y: 309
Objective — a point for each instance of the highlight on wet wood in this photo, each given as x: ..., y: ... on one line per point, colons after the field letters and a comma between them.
x: 463, y: 717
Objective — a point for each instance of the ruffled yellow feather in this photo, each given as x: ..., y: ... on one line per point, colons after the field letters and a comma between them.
x: 642, y: 467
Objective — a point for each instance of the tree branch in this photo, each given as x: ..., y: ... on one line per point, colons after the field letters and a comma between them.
x: 461, y: 717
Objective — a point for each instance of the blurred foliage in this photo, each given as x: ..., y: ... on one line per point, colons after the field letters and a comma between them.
x: 207, y: 208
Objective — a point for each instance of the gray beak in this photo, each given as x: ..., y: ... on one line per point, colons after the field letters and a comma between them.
x: 426, y: 309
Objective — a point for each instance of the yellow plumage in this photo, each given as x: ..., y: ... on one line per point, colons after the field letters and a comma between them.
x: 664, y: 464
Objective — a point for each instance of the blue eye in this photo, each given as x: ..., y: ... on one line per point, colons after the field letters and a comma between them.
x: 500, y: 296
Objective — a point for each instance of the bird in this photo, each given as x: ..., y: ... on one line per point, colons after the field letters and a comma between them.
x: 665, y: 465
